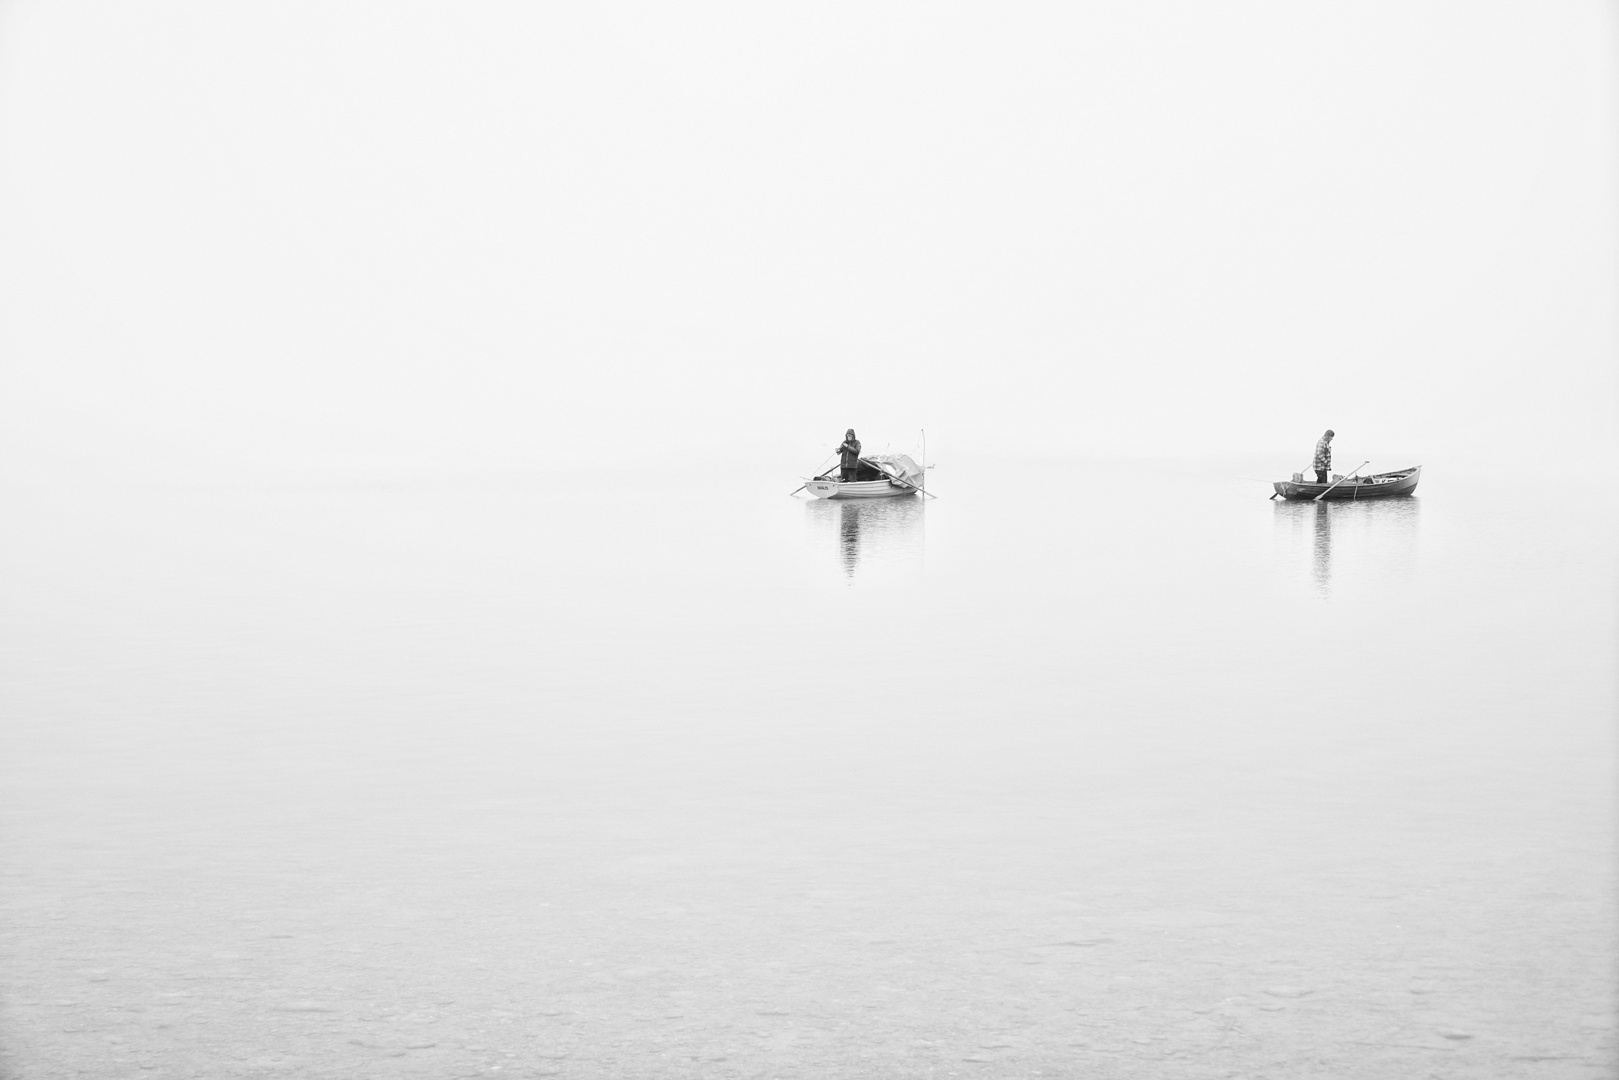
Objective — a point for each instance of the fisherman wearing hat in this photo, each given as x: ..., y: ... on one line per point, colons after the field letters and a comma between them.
x: 850, y: 450
x: 1323, y: 457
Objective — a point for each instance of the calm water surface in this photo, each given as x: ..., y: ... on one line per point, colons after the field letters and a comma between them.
x: 1096, y: 770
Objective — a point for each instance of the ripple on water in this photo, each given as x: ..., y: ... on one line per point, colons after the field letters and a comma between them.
x: 1286, y: 991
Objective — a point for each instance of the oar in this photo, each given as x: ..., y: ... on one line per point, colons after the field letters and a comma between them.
x: 898, y: 480
x: 1340, y: 480
x: 805, y: 484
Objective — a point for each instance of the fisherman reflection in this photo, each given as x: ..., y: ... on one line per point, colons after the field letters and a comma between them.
x: 849, y: 536
x: 870, y: 532
x: 1321, y: 553
x: 1350, y: 542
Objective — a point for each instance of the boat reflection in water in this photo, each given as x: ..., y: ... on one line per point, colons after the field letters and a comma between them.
x: 871, y: 531
x: 1372, y: 537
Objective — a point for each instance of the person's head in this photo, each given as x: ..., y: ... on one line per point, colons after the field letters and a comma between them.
x: 1328, y: 435
x: 849, y: 434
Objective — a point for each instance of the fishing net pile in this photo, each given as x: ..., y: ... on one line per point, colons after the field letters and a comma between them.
x: 900, y: 466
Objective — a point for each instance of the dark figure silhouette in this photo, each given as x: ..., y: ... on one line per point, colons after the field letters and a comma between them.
x: 1323, y: 457
x: 850, y: 453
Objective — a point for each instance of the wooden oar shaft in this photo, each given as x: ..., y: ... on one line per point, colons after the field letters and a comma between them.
x: 1340, y: 480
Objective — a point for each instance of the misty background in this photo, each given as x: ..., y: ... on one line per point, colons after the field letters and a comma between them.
x: 411, y: 664
x: 374, y: 240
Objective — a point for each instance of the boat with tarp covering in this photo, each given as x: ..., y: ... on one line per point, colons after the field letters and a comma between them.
x: 1375, y: 486
x: 880, y: 476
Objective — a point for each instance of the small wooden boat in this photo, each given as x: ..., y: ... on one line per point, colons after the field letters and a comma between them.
x: 1376, y: 486
x: 882, y: 476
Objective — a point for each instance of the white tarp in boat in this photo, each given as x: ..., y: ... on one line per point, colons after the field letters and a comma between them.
x: 899, y: 465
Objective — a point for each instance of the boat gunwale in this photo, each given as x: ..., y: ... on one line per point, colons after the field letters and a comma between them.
x: 1401, y: 482
x: 865, y: 489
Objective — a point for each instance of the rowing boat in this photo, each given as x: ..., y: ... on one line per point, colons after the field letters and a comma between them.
x: 1376, y: 486
x: 881, y: 476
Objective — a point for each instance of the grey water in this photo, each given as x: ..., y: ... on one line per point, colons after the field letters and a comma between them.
x: 1094, y: 768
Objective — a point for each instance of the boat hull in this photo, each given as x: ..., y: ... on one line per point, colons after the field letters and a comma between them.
x: 1376, y: 486
x: 857, y: 489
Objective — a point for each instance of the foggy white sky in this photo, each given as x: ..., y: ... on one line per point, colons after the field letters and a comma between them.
x: 393, y: 238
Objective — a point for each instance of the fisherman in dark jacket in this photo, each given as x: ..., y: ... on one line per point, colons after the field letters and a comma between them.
x: 850, y: 453
x: 1323, y: 457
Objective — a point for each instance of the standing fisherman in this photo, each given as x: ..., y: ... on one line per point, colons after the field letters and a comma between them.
x: 850, y: 451
x: 1323, y: 457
